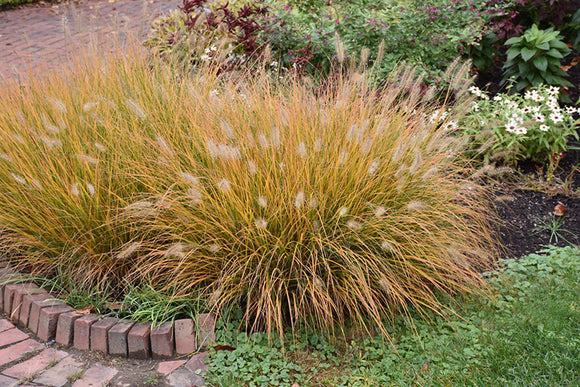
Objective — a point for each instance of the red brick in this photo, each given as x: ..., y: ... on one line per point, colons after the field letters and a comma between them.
x: 48, y: 320
x: 184, y: 336
x: 139, y: 342
x: 197, y: 363
x: 19, y: 350
x: 12, y: 336
x: 27, y: 303
x: 59, y: 374
x: 99, y: 330
x: 97, y: 375
x: 35, y: 364
x: 18, y: 295
x: 82, y: 331
x: 162, y: 343
x: 167, y: 367
x: 35, y: 309
x: 117, y: 336
x: 65, y: 328
x: 8, y: 296
x: 5, y: 325
x: 205, y: 329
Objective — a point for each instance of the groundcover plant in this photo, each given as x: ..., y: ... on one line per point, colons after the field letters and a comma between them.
x: 295, y: 207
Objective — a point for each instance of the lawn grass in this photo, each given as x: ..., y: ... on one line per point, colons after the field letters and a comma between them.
x: 4, y: 4
x: 527, y: 336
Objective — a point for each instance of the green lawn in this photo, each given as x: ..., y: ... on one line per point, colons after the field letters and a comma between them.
x: 528, y: 336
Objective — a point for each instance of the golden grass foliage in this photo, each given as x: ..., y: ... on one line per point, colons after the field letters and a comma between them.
x: 298, y: 207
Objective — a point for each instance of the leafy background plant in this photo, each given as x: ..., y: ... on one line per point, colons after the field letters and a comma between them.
x: 534, y: 59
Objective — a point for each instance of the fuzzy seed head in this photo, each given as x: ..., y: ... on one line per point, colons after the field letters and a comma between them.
x: 385, y: 285
x: 36, y: 184
x: 374, y: 167
x: 90, y: 106
x: 252, y: 169
x: 5, y: 157
x: 224, y: 185
x: 176, y: 250
x: 313, y: 203
x: 387, y: 246
x: 343, y: 211
x: 380, y: 211
x: 261, y: 223
x: 302, y: 150
x: 87, y: 159
x: 100, y: 147
x: 299, y: 200
x: 318, y: 145
x: 51, y: 142
x: 262, y: 201
x: 91, y: 189
x: 19, y: 178
x: 354, y: 225
x: 214, y: 248
x: 415, y: 205
x: 195, y: 195
x: 74, y: 189
x: 227, y: 129
x: 189, y: 178
x: 163, y: 145
x: 316, y: 226
x: 57, y: 104
x: 136, y: 109
x: 129, y: 250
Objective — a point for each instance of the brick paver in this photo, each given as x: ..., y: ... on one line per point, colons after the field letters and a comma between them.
x: 36, y: 364
x: 12, y: 336
x: 31, y: 36
x: 97, y: 375
x: 18, y: 351
x: 60, y: 374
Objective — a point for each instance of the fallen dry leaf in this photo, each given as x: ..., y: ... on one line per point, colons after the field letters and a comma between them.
x: 559, y: 210
x: 574, y: 62
x: 85, y: 310
x: 223, y: 348
x: 425, y: 367
x: 114, y: 305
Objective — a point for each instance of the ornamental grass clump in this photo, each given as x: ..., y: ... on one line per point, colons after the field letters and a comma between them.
x: 296, y: 207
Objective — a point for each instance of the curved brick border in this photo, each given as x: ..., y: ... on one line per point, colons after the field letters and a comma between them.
x: 52, y: 320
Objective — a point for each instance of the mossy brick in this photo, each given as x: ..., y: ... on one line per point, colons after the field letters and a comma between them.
x: 139, y: 342
x: 65, y: 328
x: 117, y: 336
x: 48, y: 320
x: 205, y: 329
x: 18, y: 295
x: 36, y: 307
x: 162, y: 341
x: 99, y: 334
x: 185, y: 340
x: 27, y: 301
x: 82, y: 331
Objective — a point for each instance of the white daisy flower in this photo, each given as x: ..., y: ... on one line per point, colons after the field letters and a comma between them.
x: 553, y: 90
x: 544, y: 128
x: 521, y: 130
x: 556, y: 117
x: 539, y: 117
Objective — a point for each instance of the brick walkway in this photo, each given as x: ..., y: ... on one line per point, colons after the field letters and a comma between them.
x: 33, y: 36
x: 27, y: 362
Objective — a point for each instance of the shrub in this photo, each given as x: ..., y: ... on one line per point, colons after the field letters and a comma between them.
x: 304, y: 35
x: 534, y: 59
x: 515, y: 127
x: 350, y: 204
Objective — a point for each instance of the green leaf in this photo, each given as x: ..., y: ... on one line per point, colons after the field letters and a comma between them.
x: 554, y: 53
x: 513, y: 52
x: 541, y: 63
x: 527, y: 53
x: 514, y: 40
x: 558, y: 44
x: 543, y: 46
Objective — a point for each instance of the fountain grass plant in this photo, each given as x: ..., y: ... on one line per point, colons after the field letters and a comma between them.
x: 351, y: 203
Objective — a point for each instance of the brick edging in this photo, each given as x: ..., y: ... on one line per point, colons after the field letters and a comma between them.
x: 51, y: 320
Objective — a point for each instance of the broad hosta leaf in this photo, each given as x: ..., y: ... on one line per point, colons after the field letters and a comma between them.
x: 513, y: 40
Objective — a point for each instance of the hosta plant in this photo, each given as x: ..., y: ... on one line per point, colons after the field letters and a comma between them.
x: 534, y: 59
x: 296, y: 207
x: 514, y: 127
